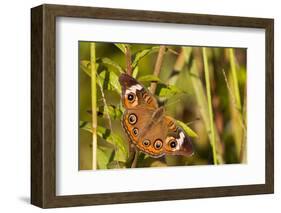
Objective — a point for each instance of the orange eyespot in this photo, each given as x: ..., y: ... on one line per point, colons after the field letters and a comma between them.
x: 132, y: 118
x: 158, y: 144
x: 173, y: 144
x: 146, y: 142
x: 131, y: 97
x: 135, y: 131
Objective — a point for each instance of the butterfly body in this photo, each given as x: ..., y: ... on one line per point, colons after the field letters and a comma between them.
x: 147, y: 126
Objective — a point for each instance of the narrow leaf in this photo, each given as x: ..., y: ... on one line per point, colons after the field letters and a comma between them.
x: 121, y: 47
x: 121, y: 150
x: 142, y: 53
x: 187, y: 129
x: 85, y: 125
x: 86, y: 67
x: 135, y: 72
x: 115, y: 112
x: 114, y: 139
x: 109, y: 81
x: 103, y: 157
x: 108, y: 61
x: 149, y: 78
x: 166, y: 91
x: 116, y: 165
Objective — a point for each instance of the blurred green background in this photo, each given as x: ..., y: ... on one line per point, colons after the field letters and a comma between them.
x: 182, y: 89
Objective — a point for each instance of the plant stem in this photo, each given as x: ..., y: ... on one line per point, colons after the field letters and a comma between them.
x: 243, y: 148
x: 106, y: 109
x: 232, y: 98
x: 157, y: 67
x: 209, y: 100
x: 128, y: 60
x: 135, y: 160
x: 234, y: 76
x: 178, y: 66
x: 242, y: 133
x: 234, y: 102
x: 129, y: 72
x: 94, y: 105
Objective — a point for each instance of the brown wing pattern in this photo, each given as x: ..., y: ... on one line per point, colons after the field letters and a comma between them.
x: 134, y: 122
x: 177, y: 141
x: 134, y: 94
x: 146, y: 125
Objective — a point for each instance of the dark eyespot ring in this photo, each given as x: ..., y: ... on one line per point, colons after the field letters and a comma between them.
x: 131, y: 97
x: 173, y: 144
x: 146, y: 142
x: 135, y: 131
x: 132, y: 119
x: 158, y: 144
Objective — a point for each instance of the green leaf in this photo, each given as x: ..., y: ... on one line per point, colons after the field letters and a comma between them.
x: 167, y: 91
x: 149, y: 78
x: 108, y: 61
x: 109, y: 81
x: 122, y: 47
x: 116, y: 165
x: 162, y: 89
x: 242, y: 75
x: 86, y: 67
x: 135, y: 72
x: 85, y: 125
x: 121, y: 151
x: 142, y: 53
x: 103, y: 157
x: 115, y: 112
x: 187, y: 129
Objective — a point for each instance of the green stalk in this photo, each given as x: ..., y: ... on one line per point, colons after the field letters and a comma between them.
x: 157, y: 67
x: 209, y: 99
x: 240, y: 131
x: 94, y: 105
x: 128, y: 60
x: 234, y: 77
x: 243, y: 148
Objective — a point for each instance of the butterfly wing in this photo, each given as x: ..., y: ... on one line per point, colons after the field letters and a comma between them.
x: 140, y: 106
x: 153, y: 141
x: 136, y: 123
x: 144, y: 131
x: 164, y: 136
x: 146, y: 125
x: 177, y: 141
x: 134, y: 94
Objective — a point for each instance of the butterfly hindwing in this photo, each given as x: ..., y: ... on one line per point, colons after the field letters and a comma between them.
x: 177, y: 141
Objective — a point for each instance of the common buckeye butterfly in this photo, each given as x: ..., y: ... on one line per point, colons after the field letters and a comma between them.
x: 147, y: 126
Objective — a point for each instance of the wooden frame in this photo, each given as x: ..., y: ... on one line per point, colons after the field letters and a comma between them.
x: 43, y: 97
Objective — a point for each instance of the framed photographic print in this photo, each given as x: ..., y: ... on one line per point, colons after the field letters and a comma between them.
x: 135, y: 106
